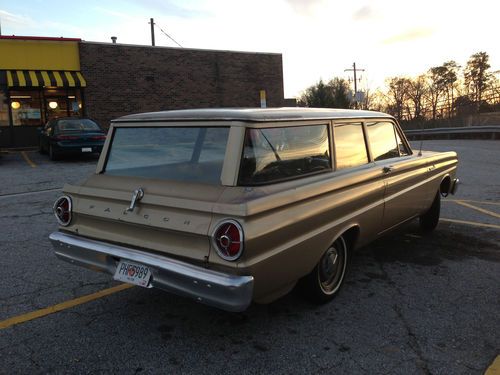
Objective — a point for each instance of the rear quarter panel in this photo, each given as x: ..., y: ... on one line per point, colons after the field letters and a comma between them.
x: 288, y: 226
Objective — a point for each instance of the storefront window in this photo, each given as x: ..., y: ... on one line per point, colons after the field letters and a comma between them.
x: 26, y: 107
x: 63, y: 103
x: 75, y: 103
x: 56, y: 103
x: 4, y: 110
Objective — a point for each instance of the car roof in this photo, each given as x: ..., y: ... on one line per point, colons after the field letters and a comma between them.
x: 251, y: 114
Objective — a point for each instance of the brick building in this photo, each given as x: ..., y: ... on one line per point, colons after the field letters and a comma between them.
x: 105, y: 81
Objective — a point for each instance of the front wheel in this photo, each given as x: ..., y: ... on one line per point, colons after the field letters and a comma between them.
x: 429, y: 220
x: 325, y: 280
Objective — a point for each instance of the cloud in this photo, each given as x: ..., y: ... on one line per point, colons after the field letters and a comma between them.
x: 364, y: 13
x: 15, y: 19
x: 409, y: 35
x: 114, y: 13
x: 170, y: 8
x: 305, y: 7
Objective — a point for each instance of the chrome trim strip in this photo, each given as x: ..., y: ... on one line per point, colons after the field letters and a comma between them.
x: 224, y: 291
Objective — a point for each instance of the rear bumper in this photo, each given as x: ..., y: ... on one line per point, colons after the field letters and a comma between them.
x: 224, y: 291
x: 77, y: 149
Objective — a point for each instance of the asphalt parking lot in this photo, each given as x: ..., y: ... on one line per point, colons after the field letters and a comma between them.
x: 412, y: 304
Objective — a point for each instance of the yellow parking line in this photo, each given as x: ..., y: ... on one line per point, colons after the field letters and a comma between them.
x: 494, y: 368
x: 28, y: 160
x: 487, y: 212
x: 62, y: 306
x: 471, y: 201
x: 474, y: 223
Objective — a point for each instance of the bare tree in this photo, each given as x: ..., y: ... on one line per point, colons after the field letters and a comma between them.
x: 417, y: 89
x: 450, y: 77
x: 398, y: 95
x: 434, y: 89
x: 476, y: 75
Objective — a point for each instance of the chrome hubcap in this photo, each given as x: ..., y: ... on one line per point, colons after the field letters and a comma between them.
x: 332, y: 267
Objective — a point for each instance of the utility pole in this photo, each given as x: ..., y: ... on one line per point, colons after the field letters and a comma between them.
x: 355, y: 82
x: 152, y: 22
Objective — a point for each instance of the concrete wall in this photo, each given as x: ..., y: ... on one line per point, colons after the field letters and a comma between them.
x: 125, y: 79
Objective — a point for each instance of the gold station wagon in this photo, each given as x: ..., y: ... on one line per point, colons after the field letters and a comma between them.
x: 230, y: 206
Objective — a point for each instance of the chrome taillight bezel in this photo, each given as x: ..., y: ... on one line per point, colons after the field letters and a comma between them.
x: 220, y: 251
x: 70, y: 208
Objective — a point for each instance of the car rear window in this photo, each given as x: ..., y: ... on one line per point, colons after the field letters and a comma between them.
x: 282, y: 153
x: 76, y: 125
x: 194, y: 154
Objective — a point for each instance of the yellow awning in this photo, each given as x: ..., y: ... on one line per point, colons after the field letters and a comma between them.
x: 44, y: 78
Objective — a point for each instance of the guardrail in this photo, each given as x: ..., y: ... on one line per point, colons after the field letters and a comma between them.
x: 470, y: 132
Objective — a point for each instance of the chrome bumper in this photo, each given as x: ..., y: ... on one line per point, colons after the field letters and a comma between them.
x: 224, y: 291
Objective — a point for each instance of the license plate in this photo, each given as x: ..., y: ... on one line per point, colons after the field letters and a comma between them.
x: 86, y: 149
x: 132, y: 273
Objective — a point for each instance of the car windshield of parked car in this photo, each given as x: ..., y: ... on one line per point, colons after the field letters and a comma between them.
x: 194, y: 154
x: 76, y: 125
x: 281, y: 153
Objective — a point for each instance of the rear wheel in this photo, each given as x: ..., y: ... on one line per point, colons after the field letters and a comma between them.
x: 325, y: 280
x: 40, y: 147
x: 53, y: 155
x: 430, y: 220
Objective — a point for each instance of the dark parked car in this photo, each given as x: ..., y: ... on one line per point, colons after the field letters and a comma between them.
x: 71, y: 136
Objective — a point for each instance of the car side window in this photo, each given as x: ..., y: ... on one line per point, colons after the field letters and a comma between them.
x: 350, y: 147
x: 278, y: 154
x: 382, y: 138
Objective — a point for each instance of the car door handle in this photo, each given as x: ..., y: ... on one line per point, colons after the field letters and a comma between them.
x: 388, y: 169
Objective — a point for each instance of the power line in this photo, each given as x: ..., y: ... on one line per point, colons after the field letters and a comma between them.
x: 355, y: 81
x: 168, y: 36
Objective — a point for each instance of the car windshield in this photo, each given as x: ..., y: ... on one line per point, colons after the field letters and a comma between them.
x: 76, y: 125
x: 194, y: 154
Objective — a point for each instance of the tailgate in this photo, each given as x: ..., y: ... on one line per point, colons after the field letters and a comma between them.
x: 172, y: 217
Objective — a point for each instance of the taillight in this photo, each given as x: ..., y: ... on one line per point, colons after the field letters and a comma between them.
x: 98, y: 137
x: 228, y: 240
x: 62, y: 210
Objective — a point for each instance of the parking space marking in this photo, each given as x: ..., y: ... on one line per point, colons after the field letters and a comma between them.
x: 471, y: 201
x: 28, y: 160
x: 494, y: 368
x: 28, y: 193
x: 474, y: 223
x: 62, y: 306
x: 487, y: 212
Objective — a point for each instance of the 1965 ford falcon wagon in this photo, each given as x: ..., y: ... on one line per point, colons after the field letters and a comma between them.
x: 230, y: 206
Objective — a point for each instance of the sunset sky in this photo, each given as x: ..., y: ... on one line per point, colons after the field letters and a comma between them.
x: 318, y: 38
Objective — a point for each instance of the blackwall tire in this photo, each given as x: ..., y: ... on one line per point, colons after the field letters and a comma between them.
x: 40, y: 147
x: 52, y: 153
x: 429, y: 220
x: 327, y: 277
